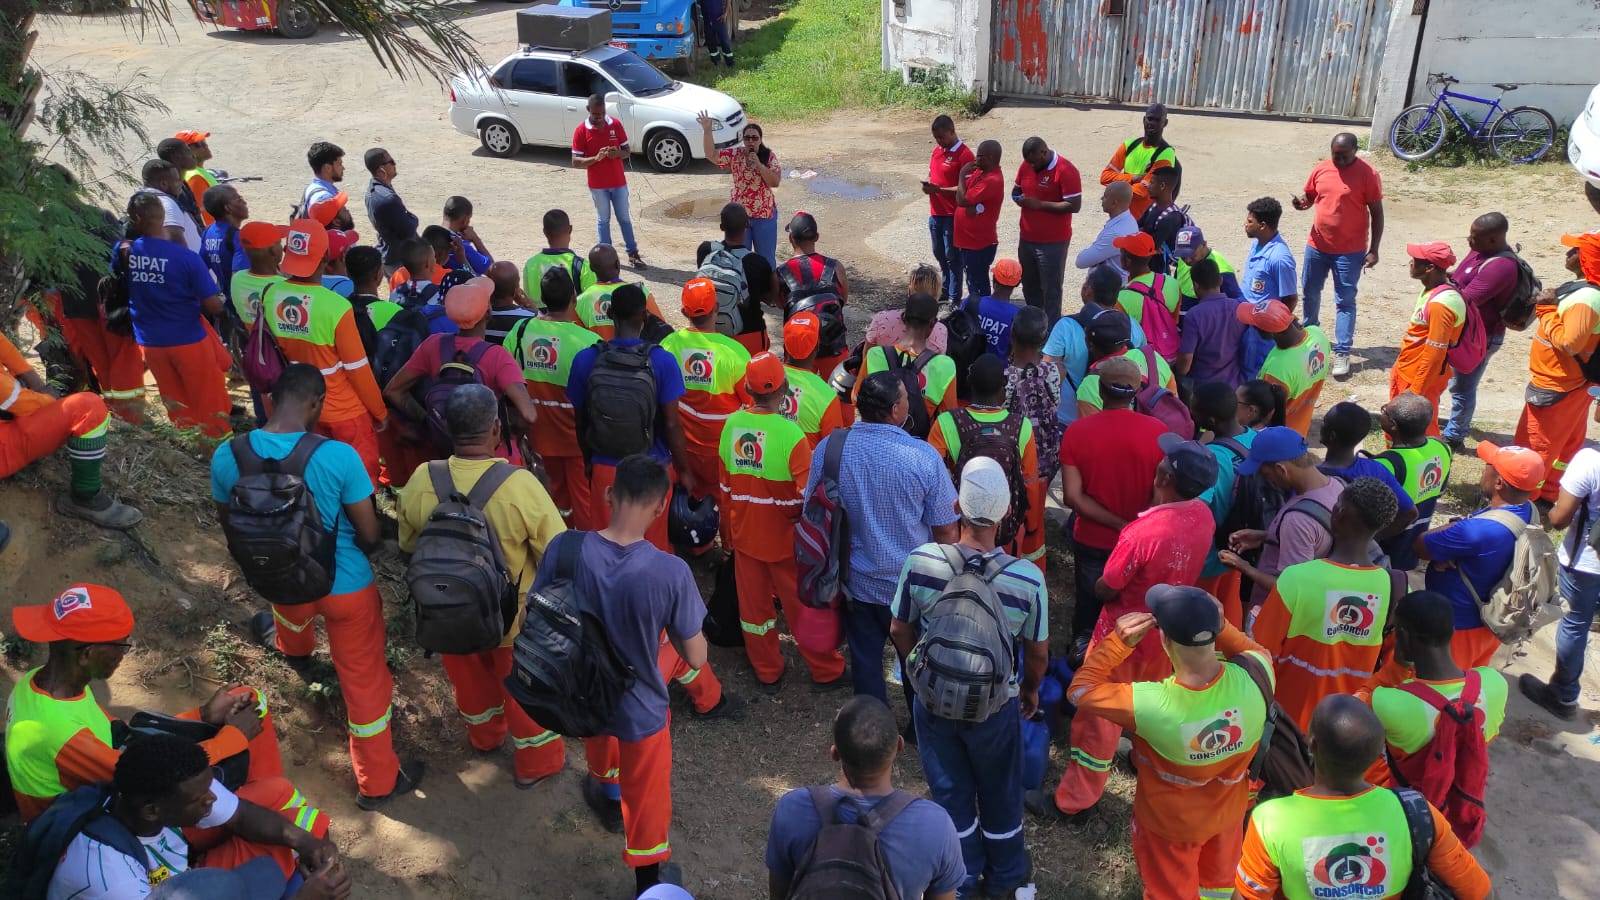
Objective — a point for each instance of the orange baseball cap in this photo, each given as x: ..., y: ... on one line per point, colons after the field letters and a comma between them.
x: 699, y: 297
x: 324, y: 210
x: 193, y: 137
x: 765, y: 373
x: 1436, y: 252
x: 1007, y: 272
x: 1588, y: 247
x: 1138, y: 243
x: 468, y: 302
x: 261, y: 235
x: 340, y: 241
x: 304, y: 247
x: 1519, y: 467
x: 801, y: 334
x: 1271, y: 316
x: 88, y: 613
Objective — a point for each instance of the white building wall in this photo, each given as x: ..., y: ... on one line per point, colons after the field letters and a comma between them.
x: 953, y: 34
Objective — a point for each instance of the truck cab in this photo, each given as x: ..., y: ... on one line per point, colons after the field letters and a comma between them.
x: 655, y: 29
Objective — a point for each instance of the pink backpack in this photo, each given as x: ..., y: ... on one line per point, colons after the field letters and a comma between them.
x: 1160, y: 328
x: 1467, y: 353
x: 1156, y: 401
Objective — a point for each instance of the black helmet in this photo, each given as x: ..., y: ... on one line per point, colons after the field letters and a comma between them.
x: 691, y: 522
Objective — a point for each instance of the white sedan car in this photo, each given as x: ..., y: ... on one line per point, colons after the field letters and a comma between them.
x: 1583, y: 145
x: 537, y: 96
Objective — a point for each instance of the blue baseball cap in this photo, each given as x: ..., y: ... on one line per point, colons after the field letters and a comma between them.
x: 1273, y: 445
x: 1189, y: 239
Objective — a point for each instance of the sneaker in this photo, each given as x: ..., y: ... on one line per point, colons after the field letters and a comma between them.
x: 409, y: 779
x: 100, y: 510
x: 1341, y: 365
x: 1539, y: 691
x: 828, y: 687
x: 1456, y: 444
x: 264, y: 631
x: 1080, y: 649
x: 729, y: 707
x: 1041, y: 805
x: 532, y: 783
x: 770, y: 688
x: 637, y: 261
x: 609, y: 811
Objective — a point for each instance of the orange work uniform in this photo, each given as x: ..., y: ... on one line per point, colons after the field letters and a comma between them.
x: 114, y: 359
x: 544, y: 347
x: 34, y: 425
x: 1556, y: 418
x: 813, y: 404
x: 1421, y: 368
x: 765, y: 459
x: 713, y: 367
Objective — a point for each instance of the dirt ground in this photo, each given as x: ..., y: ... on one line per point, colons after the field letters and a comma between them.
x: 467, y: 834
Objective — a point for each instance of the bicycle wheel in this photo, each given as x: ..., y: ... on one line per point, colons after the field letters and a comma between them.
x: 1417, y: 133
x: 1522, y: 135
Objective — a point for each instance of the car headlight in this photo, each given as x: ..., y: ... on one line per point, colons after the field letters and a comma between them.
x: 661, y: 26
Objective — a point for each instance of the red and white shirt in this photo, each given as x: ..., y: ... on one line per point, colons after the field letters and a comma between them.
x: 588, y: 140
x: 975, y: 224
x: 750, y: 190
x: 1056, y: 182
x: 944, y: 166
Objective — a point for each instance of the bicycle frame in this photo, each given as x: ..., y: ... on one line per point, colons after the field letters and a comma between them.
x: 1477, y: 132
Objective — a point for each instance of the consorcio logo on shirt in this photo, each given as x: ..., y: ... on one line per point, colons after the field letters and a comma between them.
x: 698, y: 368
x: 1347, y: 865
x: 749, y: 449
x: 544, y: 353
x: 1350, y: 614
x: 1213, y: 738
x: 1432, y: 474
x: 1315, y: 361
x: 293, y: 314
x: 789, y: 407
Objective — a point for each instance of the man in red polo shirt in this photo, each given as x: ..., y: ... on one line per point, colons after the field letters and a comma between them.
x: 1049, y: 191
x: 950, y: 156
x: 600, y: 145
x: 980, y: 190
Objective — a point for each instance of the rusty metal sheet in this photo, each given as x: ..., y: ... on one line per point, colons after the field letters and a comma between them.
x: 1328, y: 62
x: 1238, y: 40
x: 1162, y: 50
x: 1056, y: 48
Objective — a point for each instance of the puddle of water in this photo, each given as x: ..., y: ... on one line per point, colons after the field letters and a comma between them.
x: 699, y: 208
x: 843, y: 189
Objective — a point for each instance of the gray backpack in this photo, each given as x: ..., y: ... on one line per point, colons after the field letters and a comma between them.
x: 724, y: 265
x: 465, y: 599
x: 962, y: 664
x: 846, y: 861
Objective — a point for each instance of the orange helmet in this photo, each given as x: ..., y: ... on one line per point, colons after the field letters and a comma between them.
x: 1007, y: 272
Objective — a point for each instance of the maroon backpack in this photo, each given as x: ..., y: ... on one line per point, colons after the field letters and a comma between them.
x: 1453, y: 768
x: 1161, y: 404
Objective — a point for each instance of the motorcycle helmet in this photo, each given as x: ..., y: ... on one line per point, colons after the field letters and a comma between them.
x: 691, y: 522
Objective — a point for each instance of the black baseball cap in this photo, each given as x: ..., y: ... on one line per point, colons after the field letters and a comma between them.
x: 1188, y: 616
x: 1195, y: 466
x: 1110, y: 326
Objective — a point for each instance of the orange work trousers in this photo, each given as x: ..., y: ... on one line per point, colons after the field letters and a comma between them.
x: 1094, y: 740
x: 1431, y: 390
x: 754, y: 341
x: 643, y: 771
x: 479, y: 681
x: 116, y: 362
x: 358, y: 433
x: 601, y: 477
x: 1225, y: 588
x: 356, y: 641
x: 1555, y: 432
x: 569, y: 488
x: 758, y: 582
x: 219, y: 848
x: 702, y: 685
x: 1473, y: 647
x: 400, y: 453
x: 193, y: 380
x: 40, y: 433
x: 1184, y: 870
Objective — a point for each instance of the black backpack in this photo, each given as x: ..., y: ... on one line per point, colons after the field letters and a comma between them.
x: 964, y: 343
x: 274, y: 529
x: 564, y: 671
x: 397, y: 340
x: 909, y: 371
x: 456, y: 368
x: 464, y: 597
x: 998, y: 441
x: 845, y: 861
x: 1423, y: 884
x: 83, y: 810
x: 1255, y: 500
x: 818, y: 294
x: 113, y: 292
x: 1518, y: 311
x: 619, y: 416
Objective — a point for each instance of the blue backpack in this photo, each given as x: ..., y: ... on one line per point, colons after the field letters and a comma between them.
x: 84, y: 810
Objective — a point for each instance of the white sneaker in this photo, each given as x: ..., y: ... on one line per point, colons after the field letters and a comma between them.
x: 1026, y: 892
x: 1341, y: 365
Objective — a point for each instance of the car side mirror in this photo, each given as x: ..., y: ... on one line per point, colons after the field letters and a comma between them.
x: 613, y: 97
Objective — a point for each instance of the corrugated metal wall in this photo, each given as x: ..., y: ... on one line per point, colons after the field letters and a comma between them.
x: 1291, y: 57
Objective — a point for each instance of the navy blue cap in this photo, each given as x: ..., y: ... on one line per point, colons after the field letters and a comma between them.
x: 1188, y: 616
x: 1189, y: 239
x: 1195, y: 466
x: 1273, y: 445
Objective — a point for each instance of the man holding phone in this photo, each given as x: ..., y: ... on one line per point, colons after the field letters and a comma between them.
x: 599, y: 145
x: 950, y: 156
x: 1049, y: 191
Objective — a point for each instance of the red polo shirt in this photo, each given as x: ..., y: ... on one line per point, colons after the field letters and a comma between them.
x: 1059, y: 181
x: 943, y: 168
x: 588, y: 140
x: 1115, y: 451
x: 975, y: 225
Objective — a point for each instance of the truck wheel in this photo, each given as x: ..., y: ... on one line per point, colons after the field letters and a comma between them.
x: 500, y: 138
x: 667, y: 151
x: 296, y: 20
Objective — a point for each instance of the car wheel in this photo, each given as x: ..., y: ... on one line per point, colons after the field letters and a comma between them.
x: 667, y: 151
x: 296, y: 20
x: 500, y: 138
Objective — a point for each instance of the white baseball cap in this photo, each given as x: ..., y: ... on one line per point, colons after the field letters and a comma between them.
x: 985, y: 494
x: 666, y: 892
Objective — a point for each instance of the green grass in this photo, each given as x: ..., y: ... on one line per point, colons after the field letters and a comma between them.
x: 821, y: 55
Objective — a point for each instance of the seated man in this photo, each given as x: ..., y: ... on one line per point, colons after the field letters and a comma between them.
x: 34, y: 423
x: 58, y: 737
x: 165, y: 811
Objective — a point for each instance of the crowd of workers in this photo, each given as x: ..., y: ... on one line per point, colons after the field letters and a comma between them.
x: 1225, y: 576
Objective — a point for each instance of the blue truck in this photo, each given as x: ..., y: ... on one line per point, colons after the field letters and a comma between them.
x: 660, y: 30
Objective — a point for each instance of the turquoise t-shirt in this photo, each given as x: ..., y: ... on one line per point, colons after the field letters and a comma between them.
x: 1220, y: 496
x: 336, y: 476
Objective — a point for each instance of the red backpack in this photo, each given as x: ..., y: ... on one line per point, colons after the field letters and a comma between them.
x: 1469, y: 350
x: 1160, y: 328
x: 1452, y: 770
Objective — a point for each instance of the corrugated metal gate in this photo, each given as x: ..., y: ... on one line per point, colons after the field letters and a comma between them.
x: 1288, y: 57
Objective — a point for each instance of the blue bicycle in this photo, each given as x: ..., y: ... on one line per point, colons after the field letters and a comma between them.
x: 1519, y: 135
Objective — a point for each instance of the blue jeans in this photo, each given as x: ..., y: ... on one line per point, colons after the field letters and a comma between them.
x: 605, y: 201
x: 1346, y: 269
x: 976, y: 263
x: 942, y: 229
x: 974, y: 771
x: 1464, y: 395
x: 764, y: 236
x: 1581, y: 590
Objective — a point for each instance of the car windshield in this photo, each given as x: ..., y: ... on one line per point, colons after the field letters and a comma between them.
x: 636, y: 76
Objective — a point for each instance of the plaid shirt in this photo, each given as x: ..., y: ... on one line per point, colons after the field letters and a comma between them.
x: 1019, y: 587
x: 896, y: 489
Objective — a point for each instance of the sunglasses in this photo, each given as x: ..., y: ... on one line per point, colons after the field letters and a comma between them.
x: 752, y: 139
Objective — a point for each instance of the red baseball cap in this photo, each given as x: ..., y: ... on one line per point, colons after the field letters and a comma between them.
x: 765, y: 373
x: 304, y: 247
x: 1519, y: 467
x: 699, y: 297
x: 87, y: 613
x: 801, y: 334
x: 340, y: 241
x: 324, y: 210
x: 1436, y: 252
x: 1271, y: 316
x: 1007, y: 272
x: 193, y: 137
x: 1138, y: 243
x: 261, y: 235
